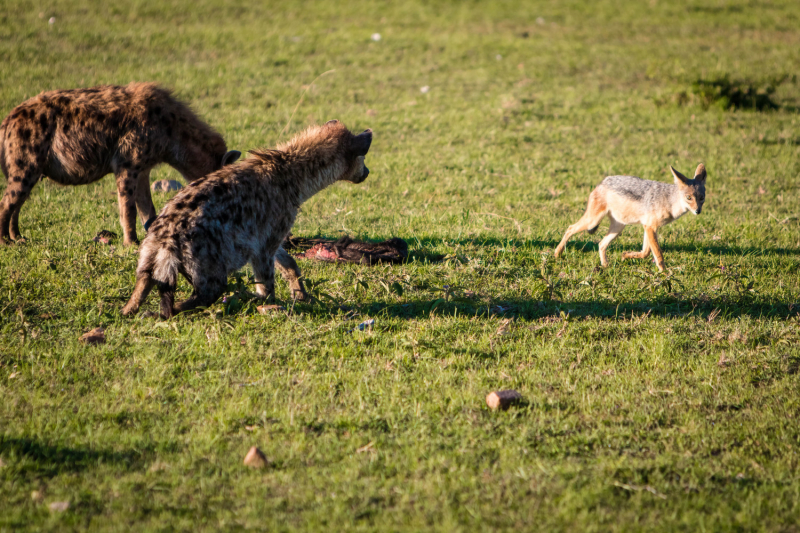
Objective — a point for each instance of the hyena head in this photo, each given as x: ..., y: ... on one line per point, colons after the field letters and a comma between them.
x: 203, y: 152
x: 693, y: 192
x: 350, y: 151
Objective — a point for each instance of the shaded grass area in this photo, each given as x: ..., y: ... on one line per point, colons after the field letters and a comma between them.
x: 652, y: 401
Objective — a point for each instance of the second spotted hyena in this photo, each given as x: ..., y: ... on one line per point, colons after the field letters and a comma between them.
x: 75, y: 137
x: 242, y: 214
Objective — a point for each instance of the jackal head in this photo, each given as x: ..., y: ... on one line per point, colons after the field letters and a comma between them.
x: 693, y: 192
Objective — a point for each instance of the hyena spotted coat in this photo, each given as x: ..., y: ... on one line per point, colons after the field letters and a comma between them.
x: 242, y: 214
x: 75, y: 137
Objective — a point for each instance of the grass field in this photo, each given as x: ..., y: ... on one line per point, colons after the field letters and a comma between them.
x: 654, y: 402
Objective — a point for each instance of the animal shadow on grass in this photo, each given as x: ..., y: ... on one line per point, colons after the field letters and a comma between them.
x: 592, y: 246
x: 39, y: 459
x: 533, y: 309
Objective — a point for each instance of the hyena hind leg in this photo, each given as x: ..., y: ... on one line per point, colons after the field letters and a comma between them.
x: 144, y: 284
x: 15, y: 195
x: 16, y: 236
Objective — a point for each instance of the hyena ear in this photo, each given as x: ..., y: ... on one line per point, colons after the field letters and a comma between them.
x: 700, y: 173
x: 361, y: 143
x: 680, y: 179
x: 231, y: 157
x: 332, y: 122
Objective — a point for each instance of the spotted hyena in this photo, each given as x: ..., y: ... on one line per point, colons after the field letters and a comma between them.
x: 75, y: 137
x: 242, y: 214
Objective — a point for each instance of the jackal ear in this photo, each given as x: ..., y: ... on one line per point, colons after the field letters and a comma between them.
x: 361, y: 143
x: 231, y: 157
x: 700, y: 173
x: 680, y: 179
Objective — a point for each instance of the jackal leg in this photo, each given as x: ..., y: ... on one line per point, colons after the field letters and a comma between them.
x: 264, y: 270
x: 650, y: 235
x: 614, y: 230
x: 144, y: 200
x: 127, y: 189
x: 289, y: 270
x: 639, y: 255
x: 594, y: 214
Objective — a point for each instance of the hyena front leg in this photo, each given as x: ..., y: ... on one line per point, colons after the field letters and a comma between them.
x: 264, y: 270
x: 144, y: 200
x: 21, y: 179
x: 289, y: 270
x: 127, y: 189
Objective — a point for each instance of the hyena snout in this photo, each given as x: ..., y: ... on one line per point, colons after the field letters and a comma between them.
x: 364, y: 175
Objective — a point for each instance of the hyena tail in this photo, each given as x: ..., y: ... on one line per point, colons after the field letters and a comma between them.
x: 165, y: 275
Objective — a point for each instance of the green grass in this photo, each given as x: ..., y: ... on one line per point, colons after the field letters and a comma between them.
x: 654, y: 402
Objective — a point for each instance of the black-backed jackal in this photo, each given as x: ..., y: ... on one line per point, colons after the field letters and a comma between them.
x: 631, y: 200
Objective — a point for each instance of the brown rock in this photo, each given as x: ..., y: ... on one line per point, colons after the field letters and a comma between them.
x: 503, y: 399
x: 166, y: 186
x: 255, y: 458
x: 96, y: 336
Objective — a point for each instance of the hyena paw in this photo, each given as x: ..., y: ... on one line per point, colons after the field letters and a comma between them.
x: 300, y: 295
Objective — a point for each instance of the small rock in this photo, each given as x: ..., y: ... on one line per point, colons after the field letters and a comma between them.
x: 255, y: 458
x: 158, y: 467
x: 376, y: 37
x: 424, y: 89
x: 37, y: 496
x: 96, y: 336
x: 166, y: 186
x: 271, y: 308
x: 503, y: 399
x: 58, y: 507
x: 51, y: 21
x: 105, y: 236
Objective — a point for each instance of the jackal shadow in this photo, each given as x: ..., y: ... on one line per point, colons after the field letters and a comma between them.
x: 533, y: 309
x: 420, y: 249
